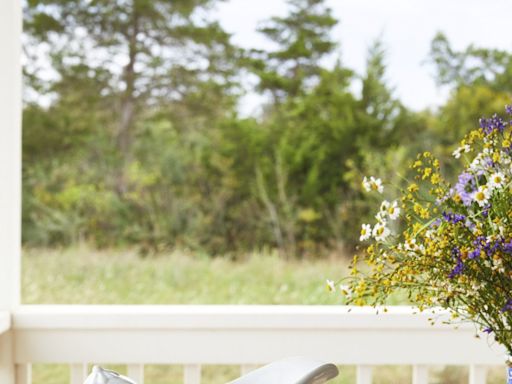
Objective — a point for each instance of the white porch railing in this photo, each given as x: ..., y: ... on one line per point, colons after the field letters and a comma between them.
x: 239, y: 335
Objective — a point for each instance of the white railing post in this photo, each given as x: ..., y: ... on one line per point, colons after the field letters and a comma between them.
x: 192, y: 374
x: 78, y: 373
x: 364, y: 374
x: 10, y: 173
x: 7, y: 371
x: 136, y: 372
x: 477, y: 374
x: 419, y: 374
x: 23, y: 374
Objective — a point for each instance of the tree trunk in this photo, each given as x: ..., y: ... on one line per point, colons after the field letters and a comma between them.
x: 124, y: 137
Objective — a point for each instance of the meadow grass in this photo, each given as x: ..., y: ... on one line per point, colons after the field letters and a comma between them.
x: 84, y: 276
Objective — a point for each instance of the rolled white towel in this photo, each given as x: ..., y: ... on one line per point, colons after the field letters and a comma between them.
x: 294, y: 370
x: 105, y: 376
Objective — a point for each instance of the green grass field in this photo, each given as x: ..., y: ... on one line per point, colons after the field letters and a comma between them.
x: 84, y: 276
x: 81, y: 276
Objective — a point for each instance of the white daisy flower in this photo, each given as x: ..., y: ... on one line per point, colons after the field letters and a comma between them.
x: 384, y: 206
x: 393, y: 210
x: 345, y: 290
x: 383, y: 211
x: 377, y: 185
x: 330, y: 285
x: 477, y: 164
x: 366, y: 232
x: 481, y: 196
x: 366, y: 184
x: 497, y: 180
x: 465, y: 148
x: 410, y: 245
x: 505, y: 158
x: 457, y: 153
x: 372, y: 184
x: 381, y: 217
x: 380, y: 232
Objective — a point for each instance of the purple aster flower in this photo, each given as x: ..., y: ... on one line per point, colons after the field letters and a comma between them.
x: 465, y: 187
x: 469, y: 224
x: 480, y: 240
x: 458, y: 269
x: 474, y: 254
x: 453, y: 218
x: 457, y: 218
x: 489, y: 162
x: 490, y: 247
x: 507, y: 247
x: 508, y: 109
x: 436, y: 223
x: 492, y: 124
x: 485, y: 211
x: 507, y: 307
x: 498, y: 245
x: 484, y: 124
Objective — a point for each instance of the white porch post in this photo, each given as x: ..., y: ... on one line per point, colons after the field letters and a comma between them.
x: 10, y: 172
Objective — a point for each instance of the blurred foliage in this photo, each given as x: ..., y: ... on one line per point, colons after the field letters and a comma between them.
x: 131, y: 132
x: 471, y: 66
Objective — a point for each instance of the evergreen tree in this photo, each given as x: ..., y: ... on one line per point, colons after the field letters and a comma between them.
x: 379, y: 109
x: 302, y: 40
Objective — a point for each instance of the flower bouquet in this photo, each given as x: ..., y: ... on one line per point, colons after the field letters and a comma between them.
x: 454, y: 250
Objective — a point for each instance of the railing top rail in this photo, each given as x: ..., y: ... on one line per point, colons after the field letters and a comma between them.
x: 215, y: 308
x: 5, y: 321
x: 241, y: 335
x: 225, y: 317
